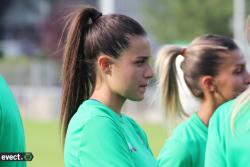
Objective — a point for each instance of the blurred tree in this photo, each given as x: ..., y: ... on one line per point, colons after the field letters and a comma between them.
x: 172, y: 21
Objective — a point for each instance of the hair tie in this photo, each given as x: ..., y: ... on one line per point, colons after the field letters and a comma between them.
x: 183, y: 51
x: 97, y: 16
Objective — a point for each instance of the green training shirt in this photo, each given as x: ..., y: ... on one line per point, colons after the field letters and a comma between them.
x: 227, y: 147
x: 99, y: 137
x: 186, y: 147
x: 11, y: 127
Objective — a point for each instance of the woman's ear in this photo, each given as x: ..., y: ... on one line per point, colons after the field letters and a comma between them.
x: 208, y: 83
x: 104, y: 63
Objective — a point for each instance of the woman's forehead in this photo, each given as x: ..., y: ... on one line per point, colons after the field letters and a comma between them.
x: 139, y: 46
x: 233, y: 58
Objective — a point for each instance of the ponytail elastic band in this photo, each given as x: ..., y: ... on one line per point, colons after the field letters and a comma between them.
x: 183, y: 51
x: 97, y: 17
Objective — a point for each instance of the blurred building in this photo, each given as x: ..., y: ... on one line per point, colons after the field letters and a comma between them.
x: 20, y: 22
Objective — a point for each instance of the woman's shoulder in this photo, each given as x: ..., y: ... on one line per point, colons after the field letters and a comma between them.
x: 181, y: 136
x: 175, y: 152
x: 185, y: 135
x: 91, y: 109
x: 184, y: 130
x: 92, y: 114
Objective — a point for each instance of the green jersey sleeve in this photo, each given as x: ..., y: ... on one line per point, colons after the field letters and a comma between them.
x: 108, y: 147
x: 175, y: 154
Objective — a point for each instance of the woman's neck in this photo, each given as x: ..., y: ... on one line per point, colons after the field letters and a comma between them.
x: 108, y: 98
x: 207, y: 108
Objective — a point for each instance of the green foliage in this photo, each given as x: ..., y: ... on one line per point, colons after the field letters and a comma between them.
x: 175, y: 20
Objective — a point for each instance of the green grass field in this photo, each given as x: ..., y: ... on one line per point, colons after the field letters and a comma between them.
x: 42, y: 139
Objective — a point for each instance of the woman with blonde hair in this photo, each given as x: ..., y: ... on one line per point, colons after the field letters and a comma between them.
x: 229, y: 132
x: 214, y: 71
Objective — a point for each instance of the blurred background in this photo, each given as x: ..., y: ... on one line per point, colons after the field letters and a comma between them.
x: 31, y: 57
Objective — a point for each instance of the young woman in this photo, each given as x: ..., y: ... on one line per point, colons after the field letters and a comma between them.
x: 229, y: 133
x: 214, y: 71
x: 105, y: 63
x: 11, y: 127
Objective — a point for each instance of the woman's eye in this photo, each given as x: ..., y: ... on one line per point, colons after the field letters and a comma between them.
x: 141, y: 62
x: 238, y: 71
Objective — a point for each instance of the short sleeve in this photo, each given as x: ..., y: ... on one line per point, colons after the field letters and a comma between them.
x: 175, y: 154
x: 102, y: 144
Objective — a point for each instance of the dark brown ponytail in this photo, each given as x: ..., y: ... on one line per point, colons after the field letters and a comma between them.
x: 76, y: 81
